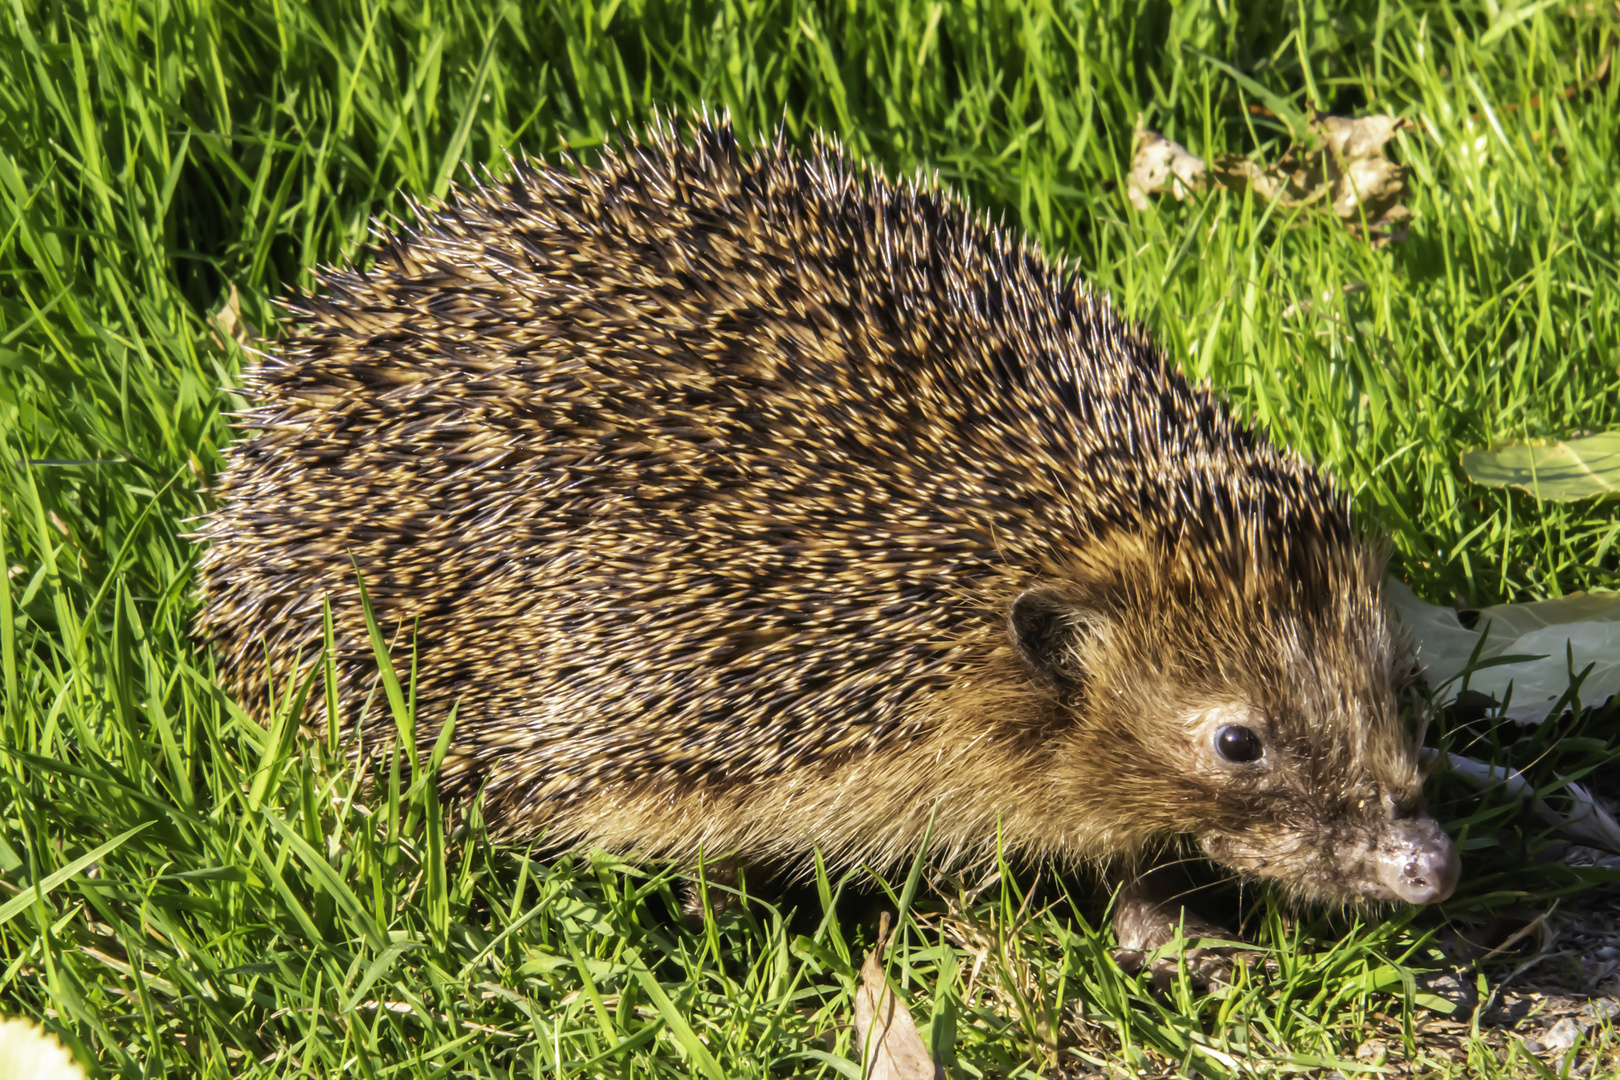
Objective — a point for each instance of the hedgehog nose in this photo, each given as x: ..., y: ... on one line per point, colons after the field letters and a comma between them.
x: 1418, y: 862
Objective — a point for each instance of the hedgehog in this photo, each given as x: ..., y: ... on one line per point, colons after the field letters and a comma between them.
x: 748, y: 503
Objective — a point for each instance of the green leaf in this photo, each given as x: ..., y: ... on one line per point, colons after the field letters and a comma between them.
x: 1559, y: 471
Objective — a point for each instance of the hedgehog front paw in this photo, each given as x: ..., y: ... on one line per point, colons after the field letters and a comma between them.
x: 1148, y: 915
x: 1206, y: 967
x: 716, y: 880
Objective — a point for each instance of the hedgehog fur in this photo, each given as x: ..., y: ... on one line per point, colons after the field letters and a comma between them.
x: 750, y: 502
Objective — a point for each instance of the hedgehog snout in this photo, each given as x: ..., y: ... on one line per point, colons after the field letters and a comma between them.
x: 1379, y: 856
x: 1417, y: 861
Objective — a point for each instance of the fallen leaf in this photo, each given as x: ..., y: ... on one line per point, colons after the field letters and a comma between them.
x: 1543, y: 637
x: 1161, y: 165
x: 890, y: 1045
x: 28, y: 1052
x: 1586, y: 822
x: 1372, y: 186
x: 1341, y: 164
x: 1295, y: 180
x: 229, y: 322
x: 1355, y: 140
x: 1558, y: 471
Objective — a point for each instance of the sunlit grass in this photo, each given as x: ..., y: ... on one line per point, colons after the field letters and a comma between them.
x: 184, y: 892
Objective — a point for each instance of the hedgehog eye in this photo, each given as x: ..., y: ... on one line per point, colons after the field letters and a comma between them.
x: 1238, y: 744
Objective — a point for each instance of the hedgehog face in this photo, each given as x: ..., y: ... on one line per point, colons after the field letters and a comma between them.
x: 1281, y: 749
x: 1316, y: 816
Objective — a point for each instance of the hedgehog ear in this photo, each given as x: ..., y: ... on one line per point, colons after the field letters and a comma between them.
x: 1053, y: 635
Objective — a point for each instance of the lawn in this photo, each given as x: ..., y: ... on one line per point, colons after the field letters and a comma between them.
x: 184, y: 893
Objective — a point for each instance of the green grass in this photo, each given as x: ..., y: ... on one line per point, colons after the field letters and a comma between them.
x: 185, y: 893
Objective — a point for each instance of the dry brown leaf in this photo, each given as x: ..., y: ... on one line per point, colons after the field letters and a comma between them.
x: 1344, y: 165
x: 1352, y: 140
x: 894, y: 1051
x: 228, y: 321
x: 1366, y: 183
x: 1374, y: 186
x: 1161, y: 165
x: 1295, y: 180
